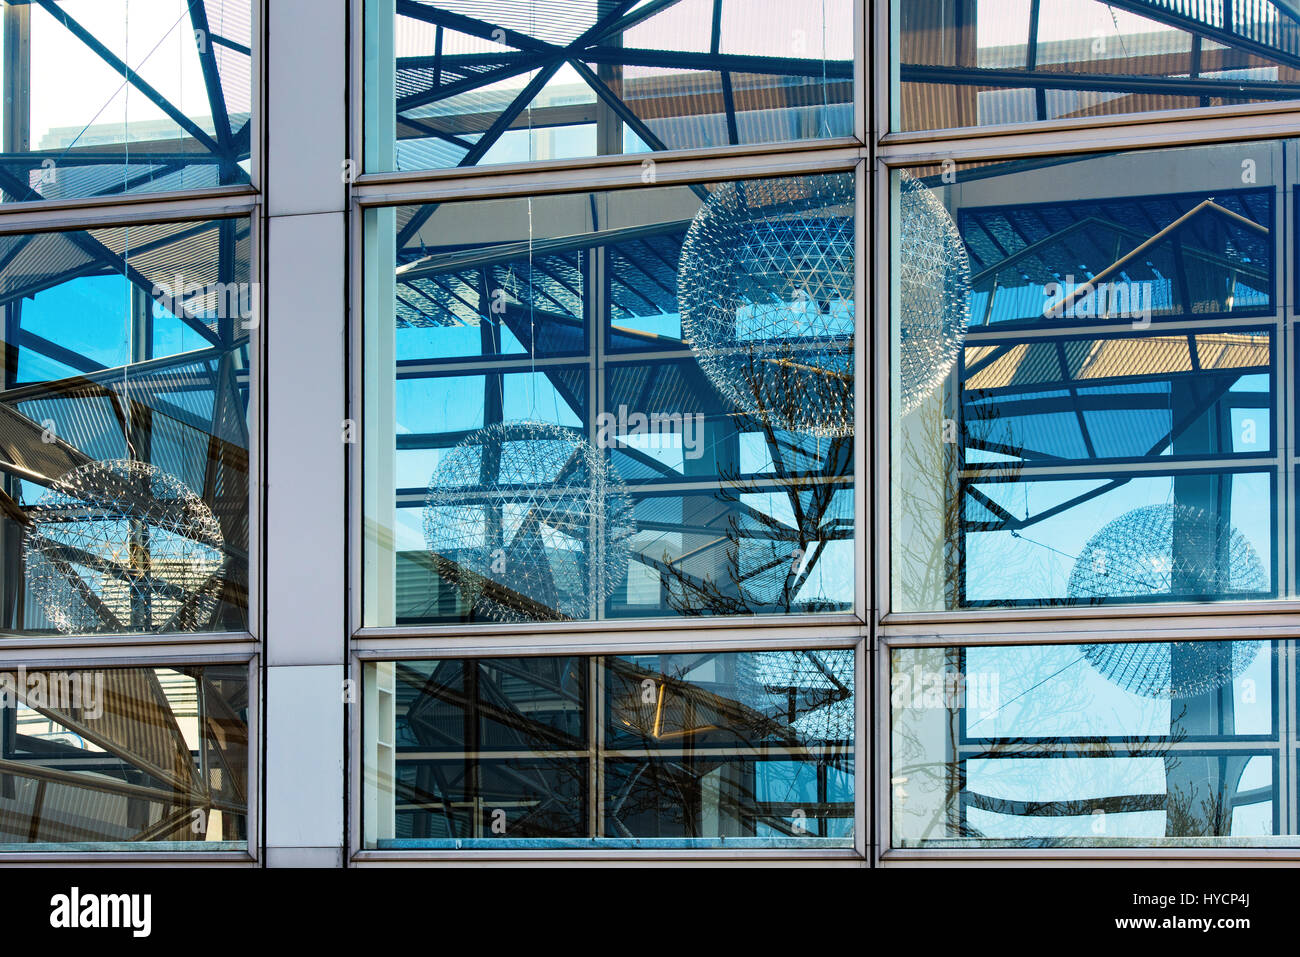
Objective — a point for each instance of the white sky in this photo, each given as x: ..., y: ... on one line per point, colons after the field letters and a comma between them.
x: 71, y: 86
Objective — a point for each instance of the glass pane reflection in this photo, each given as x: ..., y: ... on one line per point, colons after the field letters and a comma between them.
x: 1157, y: 743
x: 612, y: 405
x: 754, y: 748
x: 124, y: 434
x: 124, y: 758
x: 114, y: 97
x: 1086, y: 380
x: 460, y: 83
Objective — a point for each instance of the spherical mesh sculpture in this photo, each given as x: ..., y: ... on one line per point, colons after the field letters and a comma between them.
x: 1134, y: 557
x: 933, y: 273
x: 530, y: 521
x: 1172, y: 669
x: 123, y: 546
x: 822, y: 685
x: 765, y: 291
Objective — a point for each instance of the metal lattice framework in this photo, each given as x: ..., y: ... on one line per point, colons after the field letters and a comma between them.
x: 765, y: 291
x: 122, y: 544
x: 530, y: 521
x: 207, y: 151
x: 460, y: 94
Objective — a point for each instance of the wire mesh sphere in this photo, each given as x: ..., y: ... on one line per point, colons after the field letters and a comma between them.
x: 530, y: 522
x: 1177, y: 669
x: 123, y: 546
x: 933, y: 273
x: 765, y: 292
x: 1133, y: 557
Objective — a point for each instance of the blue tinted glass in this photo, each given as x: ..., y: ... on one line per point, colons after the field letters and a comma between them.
x: 693, y: 345
x: 124, y: 462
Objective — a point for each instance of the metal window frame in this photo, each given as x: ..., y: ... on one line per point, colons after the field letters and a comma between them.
x: 594, y: 176
x: 356, y: 107
x: 1285, y: 748
x: 648, y: 635
x: 1207, y: 132
x: 198, y: 648
x: 231, y: 653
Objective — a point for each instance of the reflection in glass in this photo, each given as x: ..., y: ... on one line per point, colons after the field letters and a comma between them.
x: 1106, y: 433
x: 990, y: 62
x: 754, y: 748
x: 124, y: 758
x: 108, y: 97
x: 457, y: 83
x: 712, y: 325
x: 1104, y: 744
x: 124, y: 429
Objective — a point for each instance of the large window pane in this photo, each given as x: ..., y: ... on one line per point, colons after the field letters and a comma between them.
x: 1150, y: 744
x: 625, y: 404
x: 1087, y: 379
x: 700, y: 749
x: 990, y: 62
x: 124, y: 759
x: 124, y: 429
x: 463, y: 83
x: 107, y: 97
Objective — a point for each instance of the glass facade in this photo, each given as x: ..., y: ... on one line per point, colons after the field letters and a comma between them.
x: 834, y: 431
x: 132, y: 303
